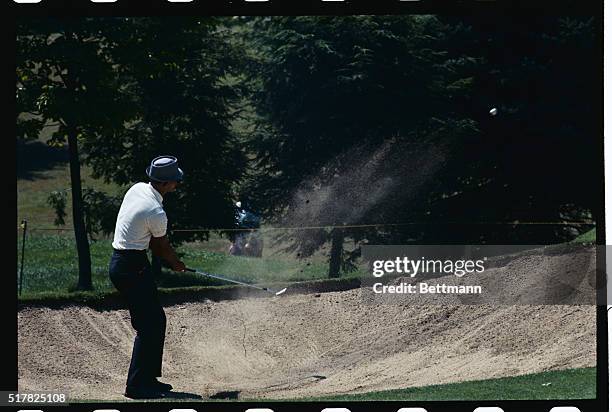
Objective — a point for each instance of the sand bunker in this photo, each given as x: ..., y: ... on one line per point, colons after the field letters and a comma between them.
x: 305, y: 345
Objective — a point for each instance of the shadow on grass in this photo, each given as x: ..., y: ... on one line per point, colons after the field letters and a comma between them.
x: 34, y: 158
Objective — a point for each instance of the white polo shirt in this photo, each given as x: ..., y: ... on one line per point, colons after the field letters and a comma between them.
x: 141, y: 216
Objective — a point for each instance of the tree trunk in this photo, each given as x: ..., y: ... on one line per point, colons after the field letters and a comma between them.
x: 335, y: 258
x: 77, y: 214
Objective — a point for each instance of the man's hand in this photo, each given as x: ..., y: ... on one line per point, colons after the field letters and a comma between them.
x: 179, y: 266
x: 160, y: 246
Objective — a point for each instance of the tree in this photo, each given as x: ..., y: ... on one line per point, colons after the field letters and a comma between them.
x: 65, y: 76
x: 184, y: 78
x: 130, y: 89
x: 531, y: 161
x: 339, y: 98
x: 378, y: 119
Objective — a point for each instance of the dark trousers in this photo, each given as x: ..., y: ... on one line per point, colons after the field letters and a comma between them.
x: 130, y: 272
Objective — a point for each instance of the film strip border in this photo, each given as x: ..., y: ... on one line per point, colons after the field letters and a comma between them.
x: 306, y: 7
x: 446, y: 406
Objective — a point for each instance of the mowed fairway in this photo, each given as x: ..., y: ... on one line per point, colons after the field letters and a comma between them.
x: 563, y: 384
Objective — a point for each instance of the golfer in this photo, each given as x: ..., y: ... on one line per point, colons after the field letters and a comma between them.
x: 141, y: 224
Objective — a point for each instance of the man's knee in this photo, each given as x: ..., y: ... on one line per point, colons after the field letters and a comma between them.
x: 150, y: 324
x: 158, y: 321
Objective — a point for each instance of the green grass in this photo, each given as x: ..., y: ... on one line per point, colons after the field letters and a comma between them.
x: 41, y: 170
x: 565, y: 384
x: 587, y: 237
x: 51, y: 264
x: 32, y: 195
x: 51, y: 268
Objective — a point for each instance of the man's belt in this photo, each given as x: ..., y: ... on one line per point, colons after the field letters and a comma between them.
x: 130, y: 251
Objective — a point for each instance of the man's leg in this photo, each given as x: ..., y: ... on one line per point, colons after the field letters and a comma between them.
x: 149, y: 321
x: 158, y: 353
x: 131, y: 275
x: 136, y: 363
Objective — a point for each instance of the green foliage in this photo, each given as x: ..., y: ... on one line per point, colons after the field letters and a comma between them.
x: 349, y: 107
x: 530, y: 162
x: 385, y: 119
x: 354, y: 119
x: 99, y: 209
x: 66, y: 75
x: 57, y: 200
x: 100, y: 212
x: 177, y: 73
x: 331, y: 83
x: 133, y: 89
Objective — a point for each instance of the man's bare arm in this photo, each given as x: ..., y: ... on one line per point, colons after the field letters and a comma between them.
x: 160, y: 246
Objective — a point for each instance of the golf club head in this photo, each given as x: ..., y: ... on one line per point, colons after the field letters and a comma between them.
x: 280, y: 292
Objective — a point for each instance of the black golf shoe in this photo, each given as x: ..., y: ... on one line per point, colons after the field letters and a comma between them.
x: 160, y: 386
x: 143, y: 392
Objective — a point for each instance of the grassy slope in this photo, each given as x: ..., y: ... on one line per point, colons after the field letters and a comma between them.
x: 32, y: 195
x: 566, y: 384
x: 587, y: 237
x: 51, y: 266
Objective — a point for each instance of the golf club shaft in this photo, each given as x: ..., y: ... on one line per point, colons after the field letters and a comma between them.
x: 210, y: 275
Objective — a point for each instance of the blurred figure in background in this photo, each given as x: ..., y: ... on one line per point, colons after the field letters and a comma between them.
x: 248, y: 242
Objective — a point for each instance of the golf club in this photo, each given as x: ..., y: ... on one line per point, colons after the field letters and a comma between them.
x: 210, y: 275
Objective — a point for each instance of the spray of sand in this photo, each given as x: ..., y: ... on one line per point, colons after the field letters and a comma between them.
x: 363, y: 185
